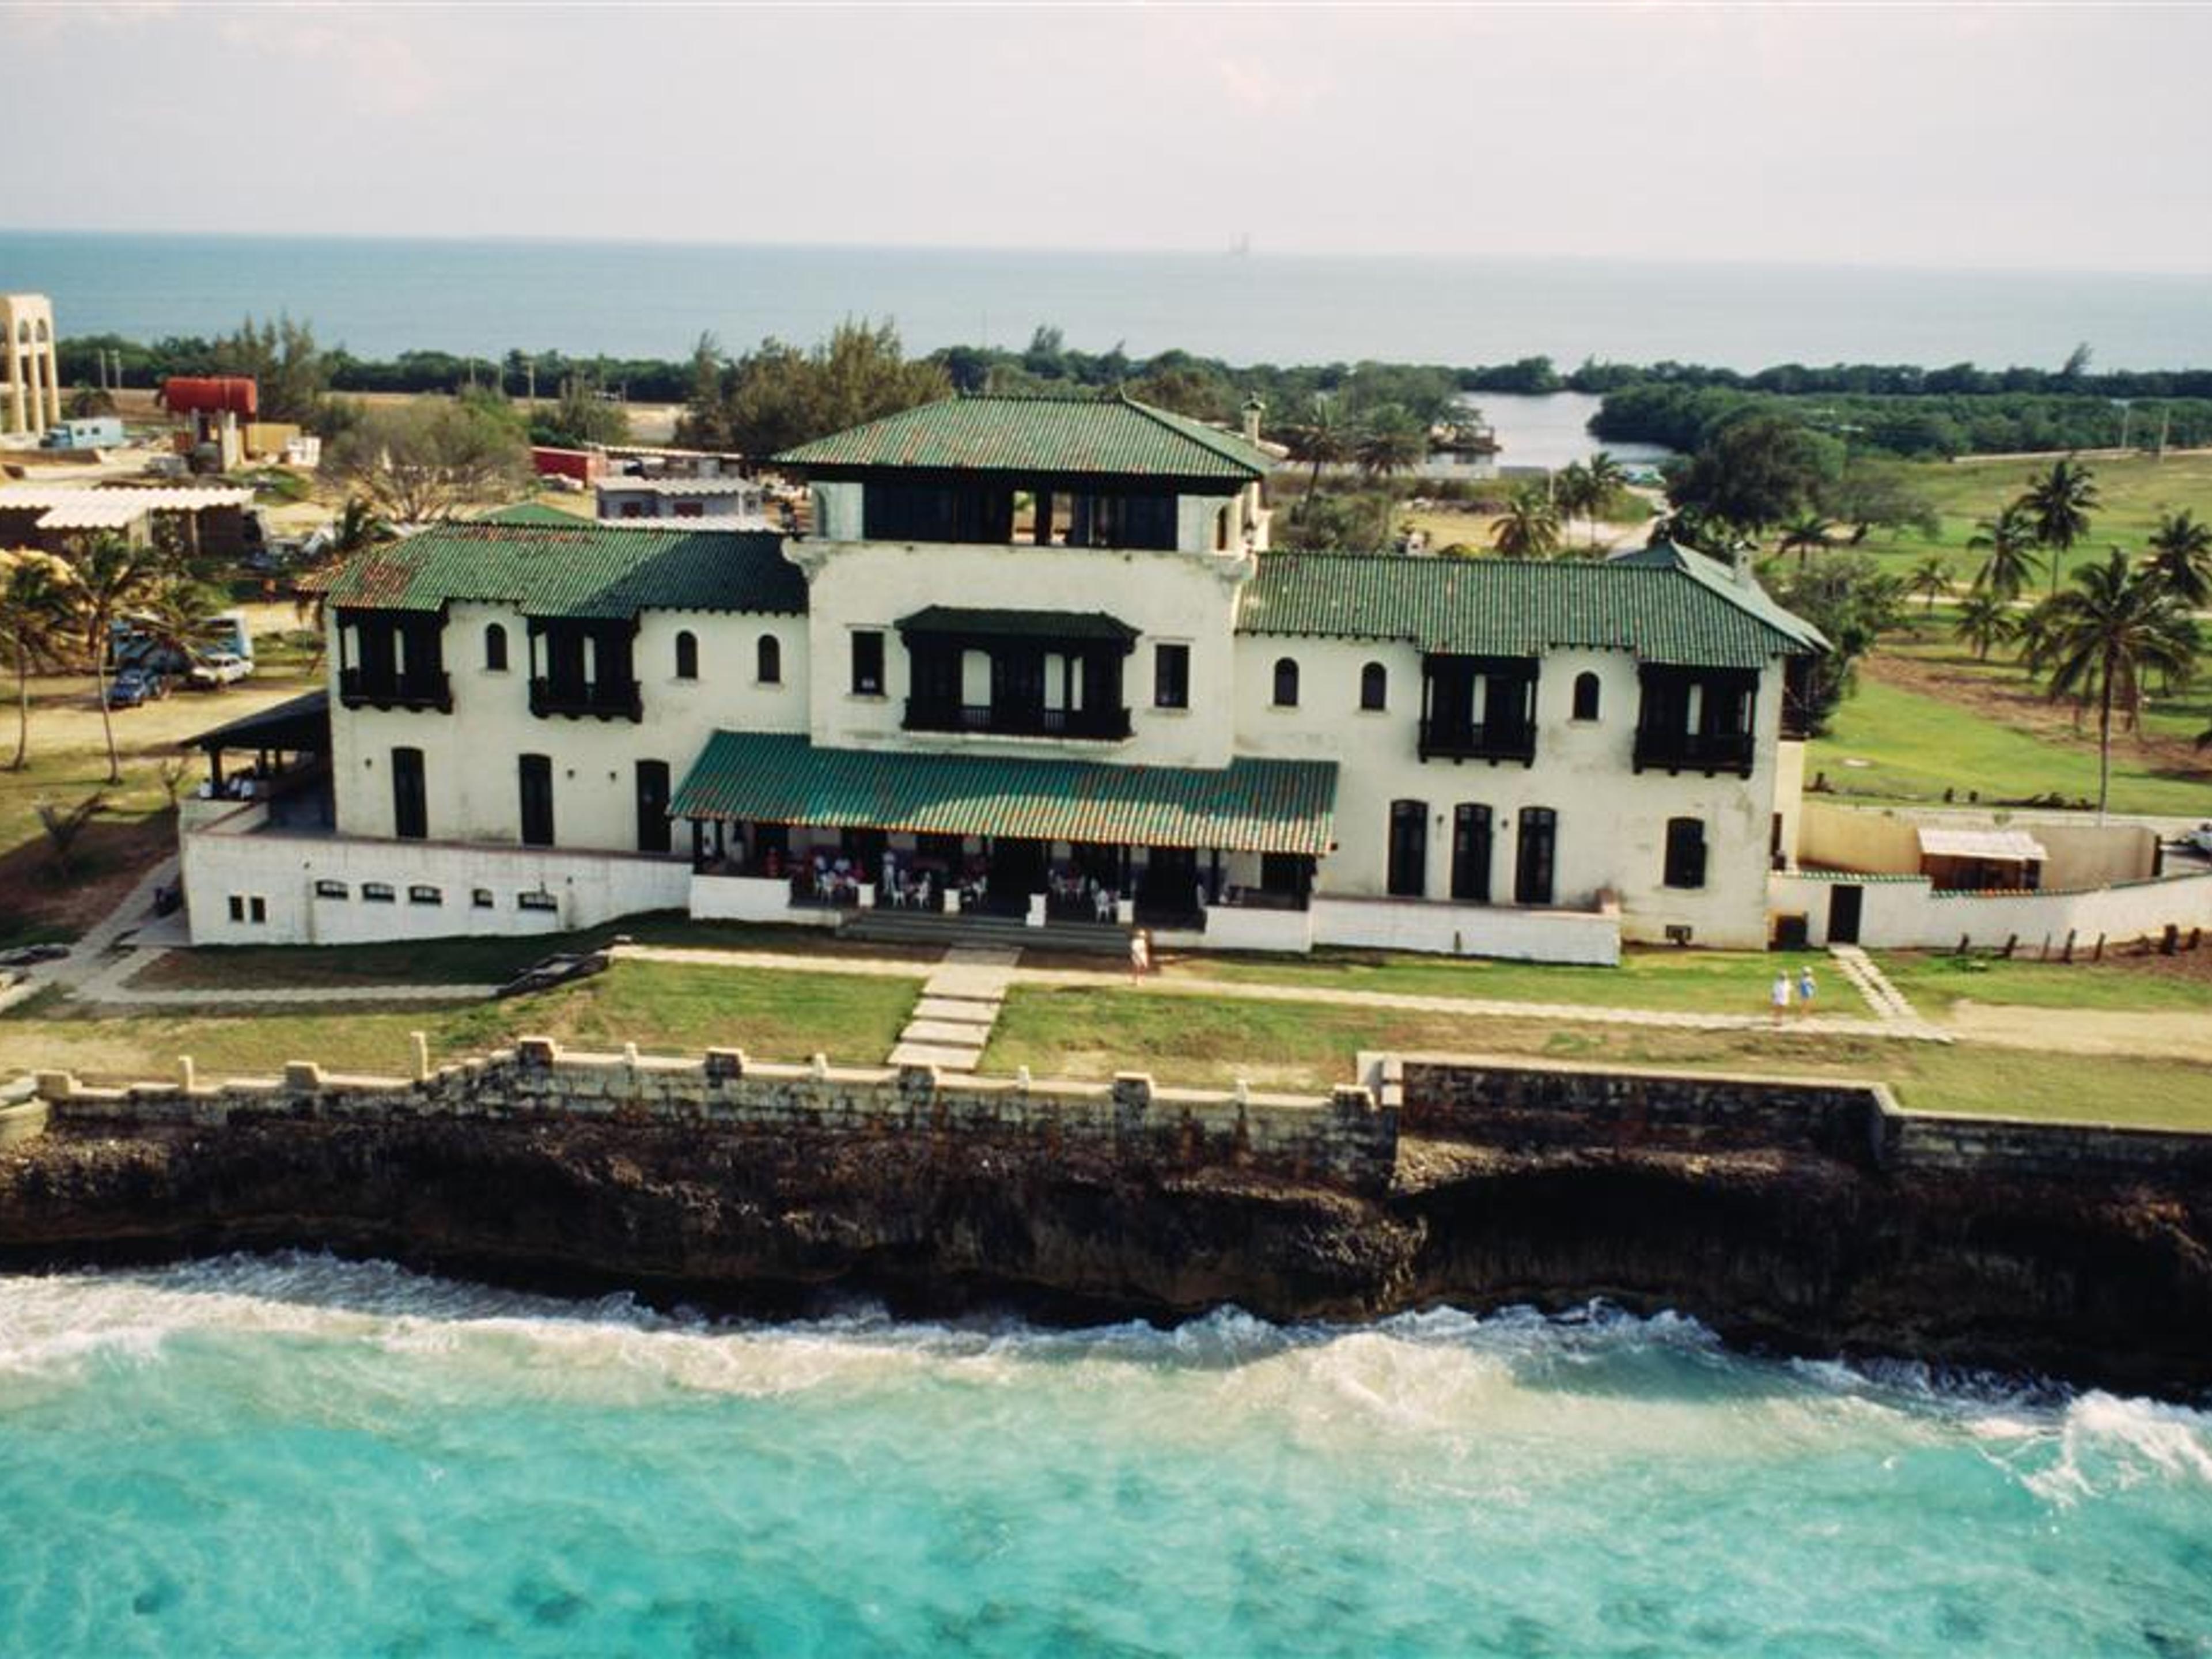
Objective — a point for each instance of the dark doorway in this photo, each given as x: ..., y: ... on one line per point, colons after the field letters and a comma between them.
x: 536, y: 775
x: 411, y: 808
x: 1533, y: 859
x: 1017, y: 870
x: 1470, y: 871
x: 651, y: 806
x: 1409, y: 848
x: 1171, y: 884
x: 1844, y: 905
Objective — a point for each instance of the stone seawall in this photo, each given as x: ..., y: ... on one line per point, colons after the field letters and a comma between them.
x: 1812, y: 1217
x: 1342, y: 1139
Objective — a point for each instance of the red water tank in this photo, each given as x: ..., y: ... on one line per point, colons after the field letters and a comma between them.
x: 226, y: 394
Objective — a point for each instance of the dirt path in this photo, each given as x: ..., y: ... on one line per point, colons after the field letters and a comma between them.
x: 2084, y: 1031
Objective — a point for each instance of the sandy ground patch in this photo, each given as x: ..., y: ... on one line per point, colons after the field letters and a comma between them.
x: 2179, y: 1036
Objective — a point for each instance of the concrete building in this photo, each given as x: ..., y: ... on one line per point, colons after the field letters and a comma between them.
x: 30, y: 376
x: 733, y: 503
x: 1038, y: 661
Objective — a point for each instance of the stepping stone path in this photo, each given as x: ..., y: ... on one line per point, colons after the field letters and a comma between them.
x: 1887, y: 1002
x: 951, y: 1023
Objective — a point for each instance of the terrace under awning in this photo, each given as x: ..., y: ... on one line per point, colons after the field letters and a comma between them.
x: 1250, y: 805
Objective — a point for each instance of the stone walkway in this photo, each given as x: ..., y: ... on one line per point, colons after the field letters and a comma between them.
x: 951, y: 1023
x: 1888, y: 1003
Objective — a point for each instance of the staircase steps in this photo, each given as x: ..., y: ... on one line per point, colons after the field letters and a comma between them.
x: 987, y: 932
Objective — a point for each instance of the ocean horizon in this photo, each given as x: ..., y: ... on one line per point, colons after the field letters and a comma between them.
x: 378, y: 296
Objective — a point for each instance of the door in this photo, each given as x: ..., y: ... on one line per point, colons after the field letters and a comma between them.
x: 537, y: 776
x: 652, y: 807
x: 411, y: 810
x: 1532, y: 860
x: 1470, y: 871
x: 1409, y: 848
x: 1017, y: 870
x: 1843, y: 903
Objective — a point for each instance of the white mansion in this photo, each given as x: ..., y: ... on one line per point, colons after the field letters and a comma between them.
x: 1037, y: 660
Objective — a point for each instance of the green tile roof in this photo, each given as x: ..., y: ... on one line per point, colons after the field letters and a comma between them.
x: 578, y: 569
x: 533, y: 513
x: 1665, y: 612
x: 1108, y: 436
x: 1018, y: 625
x: 1264, y: 806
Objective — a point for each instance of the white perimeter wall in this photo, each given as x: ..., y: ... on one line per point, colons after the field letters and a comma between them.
x: 282, y: 871
x: 1910, y: 915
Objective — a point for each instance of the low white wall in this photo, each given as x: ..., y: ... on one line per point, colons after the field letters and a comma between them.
x: 282, y: 872
x: 754, y: 898
x: 1235, y: 928
x: 1588, y: 937
x: 1910, y: 914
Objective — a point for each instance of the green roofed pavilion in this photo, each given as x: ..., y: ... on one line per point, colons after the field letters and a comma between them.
x: 1112, y: 436
x: 578, y: 569
x: 1252, y: 805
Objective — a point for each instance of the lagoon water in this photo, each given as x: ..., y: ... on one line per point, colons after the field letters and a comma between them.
x: 381, y: 296
x: 295, y: 1455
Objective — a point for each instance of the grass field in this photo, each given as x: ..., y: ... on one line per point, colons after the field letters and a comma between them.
x: 661, y: 1007
x: 470, y: 961
x: 1911, y: 746
x: 1934, y: 982
x: 1093, y: 1033
x: 1700, y: 981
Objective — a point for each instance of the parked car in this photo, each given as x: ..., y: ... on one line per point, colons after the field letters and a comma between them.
x: 2200, y: 838
x: 219, y: 668
x: 134, y: 686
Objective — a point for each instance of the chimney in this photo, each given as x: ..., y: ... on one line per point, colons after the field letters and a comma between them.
x: 1253, y: 408
x: 1739, y: 564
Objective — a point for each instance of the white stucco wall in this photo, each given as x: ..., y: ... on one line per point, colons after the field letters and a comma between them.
x: 468, y: 757
x: 1177, y: 598
x: 1612, y: 824
x: 1910, y: 915
x: 1588, y: 937
x: 282, y: 871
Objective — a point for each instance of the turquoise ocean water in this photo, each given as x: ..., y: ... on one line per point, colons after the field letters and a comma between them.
x: 380, y: 296
x: 293, y: 1455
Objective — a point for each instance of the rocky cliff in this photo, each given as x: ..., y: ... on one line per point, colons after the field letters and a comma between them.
x: 2101, y: 1277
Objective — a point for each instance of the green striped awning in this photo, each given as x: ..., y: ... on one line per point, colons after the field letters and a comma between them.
x: 1250, y: 805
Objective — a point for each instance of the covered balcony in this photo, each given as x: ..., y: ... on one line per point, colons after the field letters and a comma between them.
x: 583, y: 670
x: 1016, y: 673
x: 393, y: 659
x: 1478, y: 708
x: 1696, y: 719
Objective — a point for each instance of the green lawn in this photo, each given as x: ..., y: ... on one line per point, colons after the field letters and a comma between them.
x: 1915, y: 746
x: 661, y: 1007
x: 1935, y: 981
x: 1094, y: 1033
x: 2134, y: 494
x: 1699, y: 981
x: 470, y: 961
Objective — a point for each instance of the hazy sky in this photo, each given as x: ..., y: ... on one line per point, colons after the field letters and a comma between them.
x: 2069, y: 137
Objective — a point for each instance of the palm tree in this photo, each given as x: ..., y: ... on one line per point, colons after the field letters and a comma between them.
x: 2008, y: 540
x: 2059, y: 502
x: 177, y: 619
x: 1322, y: 441
x: 1530, y: 528
x: 1603, y: 481
x: 1809, y: 534
x: 35, y: 590
x: 2181, y: 557
x: 2115, y: 625
x: 357, y: 529
x: 1985, y: 622
x: 1571, y: 492
x: 1930, y: 579
x: 113, y: 575
x: 1396, y: 442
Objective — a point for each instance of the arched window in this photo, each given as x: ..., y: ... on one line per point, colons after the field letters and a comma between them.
x: 495, y: 648
x: 1286, y: 682
x: 1585, y: 696
x: 1374, y: 686
x: 687, y: 655
x: 771, y: 660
